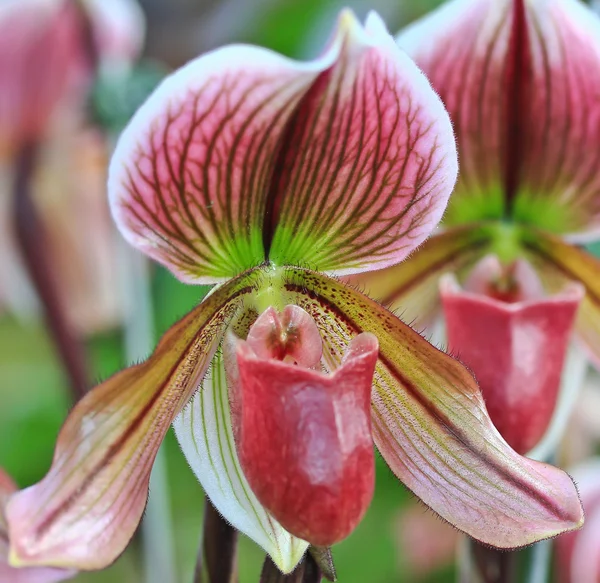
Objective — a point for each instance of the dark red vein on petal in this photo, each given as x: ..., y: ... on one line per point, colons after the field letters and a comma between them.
x: 518, y: 73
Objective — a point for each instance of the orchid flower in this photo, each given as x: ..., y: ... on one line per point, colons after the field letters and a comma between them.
x: 519, y: 79
x: 43, y: 67
x: 269, y: 178
x: 44, y: 59
x: 27, y: 575
x: 514, y: 337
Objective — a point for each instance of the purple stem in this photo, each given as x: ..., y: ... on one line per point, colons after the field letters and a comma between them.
x: 306, y: 572
x: 493, y: 565
x: 33, y: 245
x: 216, y: 561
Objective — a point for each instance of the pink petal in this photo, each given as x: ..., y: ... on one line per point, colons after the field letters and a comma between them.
x: 431, y: 426
x: 578, y: 554
x: 520, y: 80
x: 10, y: 574
x: 305, y: 440
x: 516, y: 352
x: 39, y: 49
x: 190, y: 176
x: 368, y: 162
x: 558, y: 263
x: 86, y: 509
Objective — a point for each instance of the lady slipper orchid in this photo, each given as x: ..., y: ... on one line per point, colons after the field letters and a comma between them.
x: 514, y: 339
x: 520, y: 80
x: 268, y: 177
x: 27, y: 575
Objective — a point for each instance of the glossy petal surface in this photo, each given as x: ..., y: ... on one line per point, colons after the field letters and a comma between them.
x: 516, y: 351
x: 520, y: 80
x: 10, y: 574
x: 411, y: 287
x: 558, y: 262
x: 305, y: 440
x: 368, y: 163
x: 431, y: 426
x: 205, y: 433
x: 84, y: 512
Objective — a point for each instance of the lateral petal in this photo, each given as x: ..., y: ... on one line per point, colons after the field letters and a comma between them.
x: 368, y: 162
x: 84, y: 512
x: 431, y: 426
x: 411, y: 287
x: 27, y: 574
x: 557, y: 262
x: 205, y: 434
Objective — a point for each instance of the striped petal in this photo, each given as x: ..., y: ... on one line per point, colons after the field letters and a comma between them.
x: 205, y: 434
x: 84, y: 512
x: 189, y: 180
x: 411, y: 287
x: 520, y: 80
x: 368, y: 163
x: 10, y: 574
x: 431, y: 426
x: 558, y: 262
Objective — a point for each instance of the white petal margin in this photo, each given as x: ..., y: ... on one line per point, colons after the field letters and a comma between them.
x: 205, y: 434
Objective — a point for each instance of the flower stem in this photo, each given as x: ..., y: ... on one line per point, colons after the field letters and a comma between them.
x: 33, y: 246
x: 216, y: 561
x: 306, y: 572
x: 493, y: 565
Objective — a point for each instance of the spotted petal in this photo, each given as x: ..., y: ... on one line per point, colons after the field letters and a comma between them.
x: 368, y: 164
x: 83, y: 513
x: 431, y: 426
x: 205, y: 434
x: 520, y: 79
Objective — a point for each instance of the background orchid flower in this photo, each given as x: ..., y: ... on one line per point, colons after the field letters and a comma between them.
x: 27, y: 575
x: 242, y: 169
x: 519, y: 79
x: 515, y: 339
x: 45, y: 60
